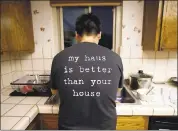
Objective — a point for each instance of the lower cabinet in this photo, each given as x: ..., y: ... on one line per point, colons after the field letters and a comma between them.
x: 132, y: 123
x: 35, y: 124
x: 50, y: 122
x: 44, y: 122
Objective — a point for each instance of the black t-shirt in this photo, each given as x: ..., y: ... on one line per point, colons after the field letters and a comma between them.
x: 87, y: 77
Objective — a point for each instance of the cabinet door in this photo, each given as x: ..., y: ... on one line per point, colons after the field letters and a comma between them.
x: 4, y: 45
x: 35, y: 124
x: 17, y: 29
x: 25, y: 26
x: 6, y: 31
x: 132, y: 123
x: 49, y: 121
x: 150, y: 17
x: 169, y: 26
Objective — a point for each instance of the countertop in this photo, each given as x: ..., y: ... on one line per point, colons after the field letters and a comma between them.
x: 18, y: 112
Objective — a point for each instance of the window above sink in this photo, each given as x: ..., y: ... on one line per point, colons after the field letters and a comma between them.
x: 65, y: 18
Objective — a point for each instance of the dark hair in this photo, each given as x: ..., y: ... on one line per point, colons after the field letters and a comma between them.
x: 88, y: 24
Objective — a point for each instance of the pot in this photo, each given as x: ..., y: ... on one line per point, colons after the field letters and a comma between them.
x: 140, y: 80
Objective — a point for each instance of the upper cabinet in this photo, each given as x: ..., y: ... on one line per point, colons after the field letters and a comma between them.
x: 16, y: 26
x: 160, y: 25
x: 169, y: 26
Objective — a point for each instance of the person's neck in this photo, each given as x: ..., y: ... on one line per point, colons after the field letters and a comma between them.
x: 89, y: 39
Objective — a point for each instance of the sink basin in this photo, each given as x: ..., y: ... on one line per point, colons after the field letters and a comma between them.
x: 125, y: 96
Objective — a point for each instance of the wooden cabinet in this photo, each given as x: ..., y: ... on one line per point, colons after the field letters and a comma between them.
x: 35, y: 124
x: 160, y: 25
x: 49, y: 122
x: 44, y: 122
x: 150, y: 18
x: 132, y: 123
x: 169, y: 26
x: 16, y: 26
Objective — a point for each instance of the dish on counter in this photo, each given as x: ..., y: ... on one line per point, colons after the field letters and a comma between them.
x: 28, y: 83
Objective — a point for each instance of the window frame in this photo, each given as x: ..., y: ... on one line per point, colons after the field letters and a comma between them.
x: 117, y: 27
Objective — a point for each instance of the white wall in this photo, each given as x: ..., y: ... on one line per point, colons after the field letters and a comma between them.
x: 14, y: 65
x: 161, y: 64
x: 17, y: 64
x: 6, y: 69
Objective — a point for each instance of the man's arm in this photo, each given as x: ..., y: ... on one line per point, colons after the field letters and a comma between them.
x: 53, y: 85
x: 121, y: 82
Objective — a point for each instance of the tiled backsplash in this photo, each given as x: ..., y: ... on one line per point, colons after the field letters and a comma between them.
x: 161, y: 64
x: 17, y: 64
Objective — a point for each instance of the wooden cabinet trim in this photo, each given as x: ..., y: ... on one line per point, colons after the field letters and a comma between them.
x: 50, y: 122
x: 60, y: 3
x: 132, y: 123
x: 16, y: 27
x: 35, y: 124
x: 169, y: 26
x: 150, y: 24
x: 160, y: 25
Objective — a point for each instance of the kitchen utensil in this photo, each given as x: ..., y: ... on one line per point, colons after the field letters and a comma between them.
x: 140, y: 80
x: 151, y: 88
x: 152, y: 95
x: 37, y: 78
x: 143, y: 92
